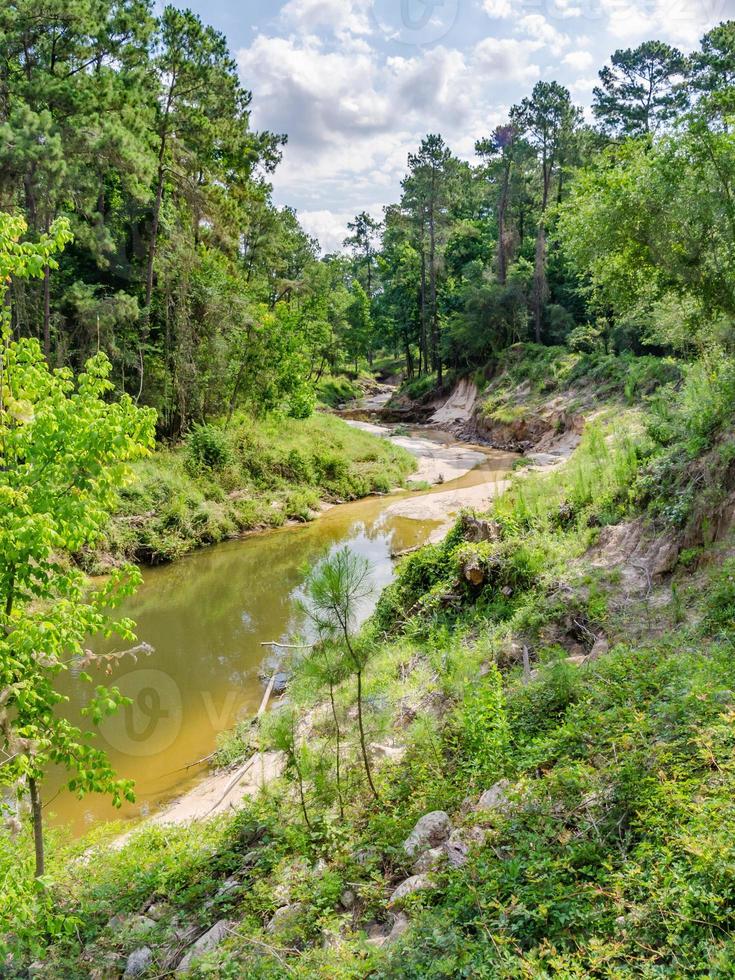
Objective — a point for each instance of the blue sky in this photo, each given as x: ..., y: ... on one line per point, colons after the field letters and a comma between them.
x: 357, y: 83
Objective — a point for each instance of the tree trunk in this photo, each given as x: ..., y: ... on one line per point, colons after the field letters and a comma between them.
x: 47, y: 314
x: 502, y: 230
x: 424, y: 337
x: 337, y: 737
x: 363, y: 744
x: 154, y: 233
x: 538, y: 296
x: 435, y: 337
x: 37, y: 815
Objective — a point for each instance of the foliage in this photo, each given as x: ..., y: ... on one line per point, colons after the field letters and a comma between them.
x: 62, y: 448
x: 266, y: 471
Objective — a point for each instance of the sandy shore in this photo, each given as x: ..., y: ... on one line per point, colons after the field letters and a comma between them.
x: 436, y: 463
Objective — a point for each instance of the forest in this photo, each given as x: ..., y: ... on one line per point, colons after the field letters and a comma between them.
x: 136, y: 130
x: 501, y: 740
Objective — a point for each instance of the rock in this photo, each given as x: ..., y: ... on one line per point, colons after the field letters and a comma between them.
x: 157, y: 911
x: 477, y: 529
x: 210, y: 940
x: 494, y: 798
x: 138, y: 962
x: 600, y: 648
x: 284, y: 918
x: 281, y: 683
x: 399, y: 927
x: 430, y: 831
x: 378, y: 934
x: 347, y: 899
x: 417, y: 883
x: 366, y: 855
x: 429, y: 860
x: 142, y: 923
x: 390, y: 752
x: 227, y: 887
x: 457, y: 848
x: 117, y: 921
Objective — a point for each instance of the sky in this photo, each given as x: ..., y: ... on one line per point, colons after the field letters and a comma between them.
x: 356, y: 84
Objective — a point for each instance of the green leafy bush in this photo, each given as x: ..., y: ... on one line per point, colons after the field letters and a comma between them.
x: 207, y: 446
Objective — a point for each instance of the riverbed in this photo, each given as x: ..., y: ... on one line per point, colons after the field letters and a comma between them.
x: 207, y: 617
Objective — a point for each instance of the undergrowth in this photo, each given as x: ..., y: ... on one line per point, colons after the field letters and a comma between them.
x: 612, y: 854
x: 252, y: 474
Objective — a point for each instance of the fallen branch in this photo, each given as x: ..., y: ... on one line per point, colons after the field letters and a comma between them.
x: 288, y: 646
x: 231, y: 785
x: 267, y: 696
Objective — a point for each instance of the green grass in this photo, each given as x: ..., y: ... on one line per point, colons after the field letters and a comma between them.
x: 255, y: 474
x: 338, y: 390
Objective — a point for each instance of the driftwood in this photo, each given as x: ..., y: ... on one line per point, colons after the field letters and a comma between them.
x: 267, y: 696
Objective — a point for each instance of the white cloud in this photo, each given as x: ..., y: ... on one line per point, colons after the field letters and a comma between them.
x: 506, y: 58
x: 579, y: 60
x: 355, y: 103
x: 498, y: 8
x: 329, y: 227
x: 339, y: 16
x: 537, y: 27
x: 680, y: 22
x: 565, y: 8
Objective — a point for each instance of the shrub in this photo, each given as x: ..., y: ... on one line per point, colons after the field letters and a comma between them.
x: 207, y: 446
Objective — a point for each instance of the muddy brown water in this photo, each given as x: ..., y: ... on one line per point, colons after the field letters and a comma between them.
x: 206, y: 618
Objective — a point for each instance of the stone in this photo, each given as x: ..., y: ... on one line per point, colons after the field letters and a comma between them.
x: 138, y: 962
x: 284, y: 918
x: 377, y: 934
x: 494, y: 798
x: 142, y: 923
x: 430, y: 831
x: 209, y: 941
x: 412, y: 885
x: 600, y: 648
x: 281, y: 683
x: 157, y: 911
x: 227, y: 887
x: 429, y: 860
x: 390, y: 752
x: 457, y: 848
x: 400, y: 925
x: 348, y: 899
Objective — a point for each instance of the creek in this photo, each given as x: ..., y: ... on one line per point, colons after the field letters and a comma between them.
x: 207, y: 617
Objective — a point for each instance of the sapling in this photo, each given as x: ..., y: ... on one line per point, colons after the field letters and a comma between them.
x: 327, y: 662
x: 336, y: 590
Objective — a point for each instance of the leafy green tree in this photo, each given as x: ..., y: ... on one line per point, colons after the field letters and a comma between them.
x: 650, y: 230
x: 500, y: 151
x: 62, y: 446
x: 427, y: 194
x: 641, y: 90
x: 362, y: 243
x: 711, y: 71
